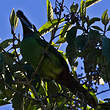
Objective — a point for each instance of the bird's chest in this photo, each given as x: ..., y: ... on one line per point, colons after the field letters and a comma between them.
x: 31, y: 51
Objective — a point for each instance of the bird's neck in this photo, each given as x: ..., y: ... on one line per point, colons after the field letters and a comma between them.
x: 27, y: 32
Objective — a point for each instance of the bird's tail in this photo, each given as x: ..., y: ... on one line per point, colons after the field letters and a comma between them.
x: 75, y: 87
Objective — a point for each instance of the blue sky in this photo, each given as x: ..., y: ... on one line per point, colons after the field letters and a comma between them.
x: 35, y: 10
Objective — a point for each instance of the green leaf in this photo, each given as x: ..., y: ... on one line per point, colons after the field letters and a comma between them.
x: 105, y: 18
x: 13, y: 20
x: 93, y: 20
x: 63, y: 32
x: 74, y: 8
x: 91, y: 2
x: 49, y: 11
x: 61, y: 40
x: 97, y: 28
x: 5, y: 43
x: 49, y: 26
x: 42, y: 90
x: 82, y: 9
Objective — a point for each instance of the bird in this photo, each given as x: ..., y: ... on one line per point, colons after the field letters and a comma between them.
x: 53, y: 65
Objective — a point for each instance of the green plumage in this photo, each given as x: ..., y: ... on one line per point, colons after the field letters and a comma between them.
x: 53, y: 65
x: 33, y: 48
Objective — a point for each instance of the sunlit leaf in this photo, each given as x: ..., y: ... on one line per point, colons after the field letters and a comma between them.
x: 105, y: 18
x: 13, y: 20
x: 49, y: 26
x: 82, y: 8
x: 63, y: 32
x: 91, y: 2
x: 49, y: 11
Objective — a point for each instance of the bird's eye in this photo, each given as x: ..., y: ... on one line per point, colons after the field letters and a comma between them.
x: 19, y: 13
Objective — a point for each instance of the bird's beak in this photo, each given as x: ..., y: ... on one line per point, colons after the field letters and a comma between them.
x: 24, y: 20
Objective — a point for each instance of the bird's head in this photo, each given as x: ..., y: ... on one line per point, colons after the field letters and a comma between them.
x: 27, y: 26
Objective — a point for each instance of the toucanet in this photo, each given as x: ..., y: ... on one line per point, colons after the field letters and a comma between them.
x: 53, y: 66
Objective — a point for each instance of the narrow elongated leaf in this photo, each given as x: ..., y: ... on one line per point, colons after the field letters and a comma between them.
x: 93, y: 20
x: 49, y: 11
x: 13, y: 20
x: 91, y: 2
x: 82, y: 8
x: 63, y: 33
x: 97, y: 28
x: 49, y: 26
x: 105, y: 18
x: 64, y: 30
